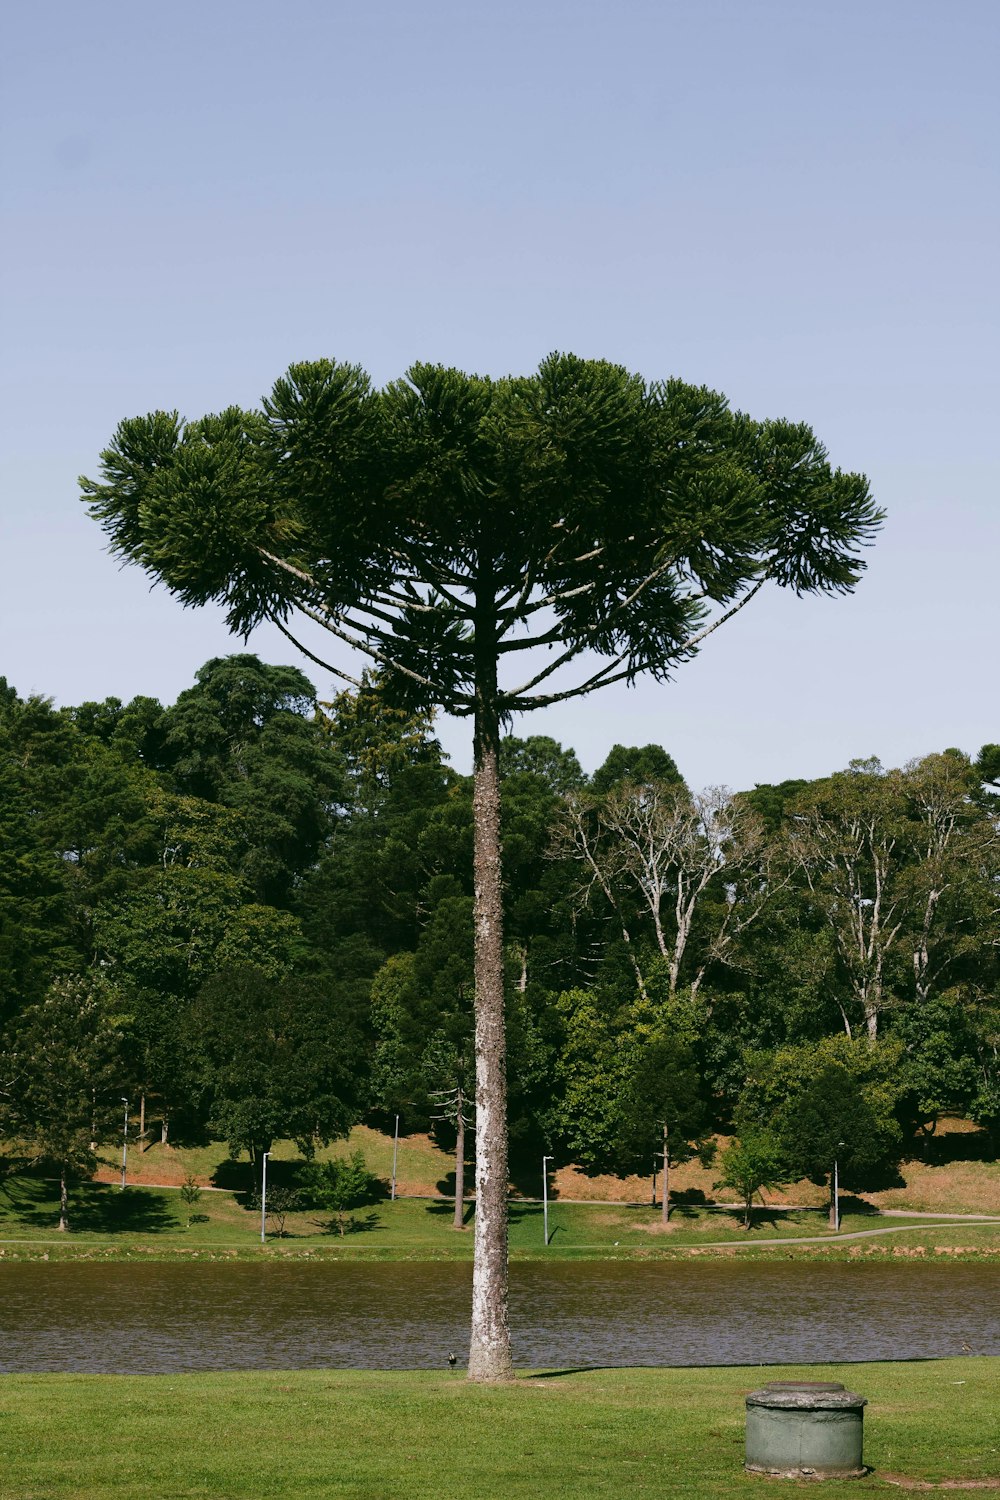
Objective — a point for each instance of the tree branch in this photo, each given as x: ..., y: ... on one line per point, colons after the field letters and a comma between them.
x: 696, y: 640
x: 520, y: 704
x: 582, y: 644
x: 327, y: 666
x: 326, y: 623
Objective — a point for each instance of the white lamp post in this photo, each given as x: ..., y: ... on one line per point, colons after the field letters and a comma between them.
x: 545, y: 1195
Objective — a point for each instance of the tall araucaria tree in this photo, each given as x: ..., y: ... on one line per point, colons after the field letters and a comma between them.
x: 448, y: 524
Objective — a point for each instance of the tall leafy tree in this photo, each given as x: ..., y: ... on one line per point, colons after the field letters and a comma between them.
x: 631, y: 1093
x: 637, y: 767
x: 835, y: 1102
x: 246, y: 736
x: 447, y: 525
x: 276, y: 1058
x: 61, y: 1078
x: 34, y: 879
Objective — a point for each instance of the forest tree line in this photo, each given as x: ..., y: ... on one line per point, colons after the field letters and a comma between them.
x: 250, y: 915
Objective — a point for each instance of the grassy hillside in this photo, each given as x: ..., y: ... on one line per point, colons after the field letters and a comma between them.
x: 956, y: 1177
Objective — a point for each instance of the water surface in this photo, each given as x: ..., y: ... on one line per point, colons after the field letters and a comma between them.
x: 131, y: 1318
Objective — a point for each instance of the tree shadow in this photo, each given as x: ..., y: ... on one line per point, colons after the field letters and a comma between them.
x: 447, y: 1210
x: 28, y: 1200
x: 238, y: 1176
x: 849, y: 1204
x: 94, y: 1208
x: 352, y: 1224
x: 958, y: 1145
x: 688, y: 1203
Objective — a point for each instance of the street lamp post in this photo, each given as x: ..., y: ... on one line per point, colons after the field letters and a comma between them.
x: 263, y: 1196
x: 124, y: 1142
x: 835, y: 1208
x: 545, y: 1195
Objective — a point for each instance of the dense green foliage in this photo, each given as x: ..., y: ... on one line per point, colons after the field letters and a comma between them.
x: 251, y: 914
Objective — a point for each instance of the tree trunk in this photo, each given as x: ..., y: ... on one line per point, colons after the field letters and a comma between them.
x: 164, y: 1128
x: 666, y: 1177
x: 489, y: 1345
x: 460, y: 1162
x: 63, y: 1202
x: 142, y: 1118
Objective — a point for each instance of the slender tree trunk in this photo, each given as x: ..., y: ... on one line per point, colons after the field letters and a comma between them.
x: 666, y: 1177
x: 142, y: 1118
x: 63, y: 1202
x: 489, y: 1347
x: 164, y: 1128
x: 460, y: 1162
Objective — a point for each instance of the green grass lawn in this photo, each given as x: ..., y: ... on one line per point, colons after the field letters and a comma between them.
x: 422, y: 1436
x: 153, y: 1221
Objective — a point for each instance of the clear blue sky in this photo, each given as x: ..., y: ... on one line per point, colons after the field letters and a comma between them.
x: 794, y: 203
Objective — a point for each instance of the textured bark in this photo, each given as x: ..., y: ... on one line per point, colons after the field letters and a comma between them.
x: 489, y: 1351
x: 460, y: 1161
x: 63, y: 1202
x: 164, y: 1128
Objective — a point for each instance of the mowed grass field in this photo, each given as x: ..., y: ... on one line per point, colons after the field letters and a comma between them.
x: 149, y: 1222
x: 422, y: 1436
x: 587, y: 1215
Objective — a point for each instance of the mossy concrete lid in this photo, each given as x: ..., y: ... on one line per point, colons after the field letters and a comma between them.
x: 806, y: 1395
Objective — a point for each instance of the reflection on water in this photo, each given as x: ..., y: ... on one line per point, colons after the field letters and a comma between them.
x: 164, y: 1317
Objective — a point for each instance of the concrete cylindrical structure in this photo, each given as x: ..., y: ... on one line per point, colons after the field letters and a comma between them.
x: 805, y: 1429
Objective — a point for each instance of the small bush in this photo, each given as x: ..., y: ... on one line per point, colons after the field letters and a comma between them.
x: 191, y: 1194
x: 340, y: 1185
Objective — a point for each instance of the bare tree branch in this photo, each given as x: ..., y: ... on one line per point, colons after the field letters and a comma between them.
x: 584, y: 642
x: 327, y: 666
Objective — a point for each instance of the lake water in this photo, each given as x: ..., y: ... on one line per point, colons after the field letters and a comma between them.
x: 143, y: 1319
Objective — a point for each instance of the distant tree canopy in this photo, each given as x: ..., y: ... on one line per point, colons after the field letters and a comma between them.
x: 807, y: 967
x: 128, y: 867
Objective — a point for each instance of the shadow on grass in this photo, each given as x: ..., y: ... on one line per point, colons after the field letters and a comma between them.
x: 22, y: 1199
x: 350, y: 1223
x: 239, y: 1176
x: 447, y: 1210
x: 93, y: 1208
x: 764, y: 1364
x: 964, y: 1145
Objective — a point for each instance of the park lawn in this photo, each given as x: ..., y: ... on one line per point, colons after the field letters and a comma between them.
x: 154, y: 1221
x: 960, y: 1177
x: 360, y: 1435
